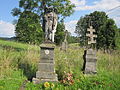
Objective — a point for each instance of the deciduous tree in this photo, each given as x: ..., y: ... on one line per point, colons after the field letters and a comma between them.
x: 104, y: 26
x: 28, y: 28
x: 37, y: 7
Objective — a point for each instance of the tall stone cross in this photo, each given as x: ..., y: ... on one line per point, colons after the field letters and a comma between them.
x: 66, y: 33
x: 91, y: 35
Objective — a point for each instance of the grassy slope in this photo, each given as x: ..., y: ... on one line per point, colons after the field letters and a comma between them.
x: 16, y: 45
x: 18, y: 65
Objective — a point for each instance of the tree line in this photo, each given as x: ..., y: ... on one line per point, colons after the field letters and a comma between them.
x: 29, y: 24
x: 108, y: 34
x: 30, y: 14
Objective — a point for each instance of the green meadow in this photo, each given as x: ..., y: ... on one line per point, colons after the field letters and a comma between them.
x: 18, y: 62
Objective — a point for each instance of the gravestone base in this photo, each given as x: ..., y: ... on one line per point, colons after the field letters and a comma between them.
x: 46, y: 70
x: 90, y: 60
x: 64, y: 46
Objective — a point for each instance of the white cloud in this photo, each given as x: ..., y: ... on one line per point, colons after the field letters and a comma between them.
x: 78, y: 2
x: 106, y: 4
x: 115, y: 15
x: 97, y: 5
x: 70, y: 26
x: 117, y: 20
x: 6, y: 29
x: 101, y: 5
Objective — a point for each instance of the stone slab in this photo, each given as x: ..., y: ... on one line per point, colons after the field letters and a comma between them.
x: 46, y: 67
x: 90, y: 58
x: 90, y: 68
x: 46, y: 53
x: 46, y: 60
x: 46, y: 71
x: 64, y: 46
x: 46, y: 75
x: 90, y: 61
x: 48, y: 45
x: 38, y: 81
x: 91, y: 52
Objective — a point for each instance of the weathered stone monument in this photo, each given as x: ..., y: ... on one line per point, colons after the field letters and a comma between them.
x: 91, y: 35
x: 50, y: 23
x: 65, y: 43
x: 46, y: 70
x: 89, y: 56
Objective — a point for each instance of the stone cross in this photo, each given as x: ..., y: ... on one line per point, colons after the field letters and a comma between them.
x: 66, y: 33
x: 65, y: 44
x: 91, y: 35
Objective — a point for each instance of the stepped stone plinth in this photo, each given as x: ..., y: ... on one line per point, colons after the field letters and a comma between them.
x: 46, y: 70
x: 90, y: 60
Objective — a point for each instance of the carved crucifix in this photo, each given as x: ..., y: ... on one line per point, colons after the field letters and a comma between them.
x: 91, y: 35
x: 50, y: 20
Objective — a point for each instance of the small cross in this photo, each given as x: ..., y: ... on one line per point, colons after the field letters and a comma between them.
x: 91, y: 35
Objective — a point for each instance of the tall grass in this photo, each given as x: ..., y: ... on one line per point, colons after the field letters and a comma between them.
x: 18, y: 65
x: 17, y: 45
x: 108, y: 62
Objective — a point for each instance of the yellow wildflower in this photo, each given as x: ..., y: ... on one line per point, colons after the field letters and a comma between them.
x: 46, y: 85
x: 52, y: 85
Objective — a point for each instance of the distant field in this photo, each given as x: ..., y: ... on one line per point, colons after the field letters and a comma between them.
x: 18, y: 62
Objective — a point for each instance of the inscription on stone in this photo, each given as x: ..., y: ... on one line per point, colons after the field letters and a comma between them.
x: 46, y: 71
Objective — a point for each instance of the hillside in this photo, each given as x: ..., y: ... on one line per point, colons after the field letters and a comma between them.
x: 18, y: 63
x: 17, y: 45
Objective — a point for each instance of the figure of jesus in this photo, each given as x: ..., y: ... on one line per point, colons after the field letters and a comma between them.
x: 50, y: 24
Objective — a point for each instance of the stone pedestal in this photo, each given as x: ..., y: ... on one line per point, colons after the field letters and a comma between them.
x: 90, y: 60
x: 64, y: 46
x: 46, y: 70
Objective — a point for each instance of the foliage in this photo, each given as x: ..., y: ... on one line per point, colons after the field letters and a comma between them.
x: 117, y: 38
x: 30, y: 13
x: 64, y: 7
x: 109, y: 35
x: 28, y: 28
x: 17, y: 66
x: 15, y: 59
x: 104, y: 26
x: 60, y: 33
x: 67, y: 79
x: 72, y: 39
x: 13, y: 81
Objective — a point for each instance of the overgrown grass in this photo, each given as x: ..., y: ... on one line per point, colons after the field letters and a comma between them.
x: 13, y: 81
x: 17, y: 45
x: 19, y: 65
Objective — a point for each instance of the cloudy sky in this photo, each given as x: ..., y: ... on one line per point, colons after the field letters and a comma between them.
x: 83, y: 7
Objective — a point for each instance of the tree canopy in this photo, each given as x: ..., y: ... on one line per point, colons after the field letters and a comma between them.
x: 60, y: 33
x: 28, y: 28
x: 104, y: 26
x: 30, y: 13
x: 117, y: 38
x: 64, y: 7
